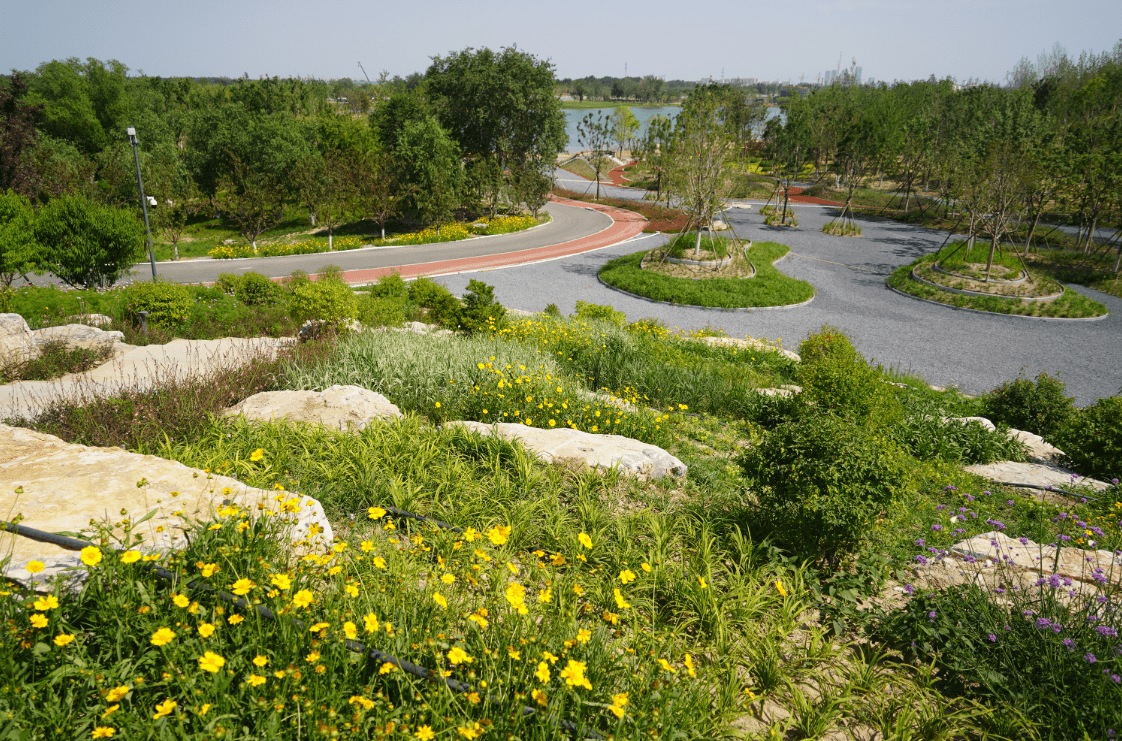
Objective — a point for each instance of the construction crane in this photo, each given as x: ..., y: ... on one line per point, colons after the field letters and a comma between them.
x: 364, y: 73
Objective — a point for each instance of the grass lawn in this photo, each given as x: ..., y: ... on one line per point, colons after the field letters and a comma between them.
x: 769, y: 288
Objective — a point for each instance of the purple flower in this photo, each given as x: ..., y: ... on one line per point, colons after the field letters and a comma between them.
x: 1065, y: 538
x: 1042, y: 623
x: 1054, y: 581
x: 959, y: 530
x: 920, y: 542
x: 1117, y: 679
x: 950, y: 488
x: 936, y: 528
x: 1070, y: 644
x: 1009, y: 502
x: 993, y: 638
x: 1023, y: 539
x: 970, y: 497
x: 921, y: 560
x: 909, y: 589
x: 1090, y: 658
x: 940, y: 506
x: 1106, y: 631
x: 1028, y: 613
x: 931, y: 615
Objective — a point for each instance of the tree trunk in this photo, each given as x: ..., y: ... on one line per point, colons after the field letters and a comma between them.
x: 330, y: 240
x: 697, y: 244
x: 312, y: 215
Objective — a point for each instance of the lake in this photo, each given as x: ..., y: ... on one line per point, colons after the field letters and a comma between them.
x: 643, y: 115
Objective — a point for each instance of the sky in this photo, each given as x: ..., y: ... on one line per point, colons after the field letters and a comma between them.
x: 890, y: 39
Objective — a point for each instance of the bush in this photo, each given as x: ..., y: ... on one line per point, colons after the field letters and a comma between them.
x: 381, y: 312
x: 593, y: 312
x: 227, y: 283
x: 836, y: 378
x: 1092, y: 439
x: 480, y: 310
x: 822, y: 482
x: 1040, y: 408
x: 254, y: 289
x: 551, y: 310
x: 86, y: 244
x: 167, y: 304
x: 322, y: 300
x: 427, y: 293
x: 392, y: 285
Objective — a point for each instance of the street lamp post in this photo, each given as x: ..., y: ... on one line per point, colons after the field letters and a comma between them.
x: 143, y: 201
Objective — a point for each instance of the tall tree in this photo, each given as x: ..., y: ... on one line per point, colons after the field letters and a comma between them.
x: 595, y: 134
x: 18, y: 137
x: 624, y: 127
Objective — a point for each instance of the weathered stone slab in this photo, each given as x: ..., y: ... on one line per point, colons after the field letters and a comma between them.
x: 17, y: 344
x: 632, y: 457
x: 338, y: 407
x: 1039, y: 450
x: 57, y: 486
x: 1091, y: 567
x: 77, y: 336
x: 1037, y: 474
x: 786, y: 391
x: 749, y: 342
x: 967, y: 420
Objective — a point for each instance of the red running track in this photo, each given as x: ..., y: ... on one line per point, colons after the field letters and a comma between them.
x: 625, y: 224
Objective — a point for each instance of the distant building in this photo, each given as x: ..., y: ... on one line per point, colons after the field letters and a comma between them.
x: 857, y: 75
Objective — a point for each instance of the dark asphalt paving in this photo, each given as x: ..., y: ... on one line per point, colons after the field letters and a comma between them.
x: 568, y: 224
x: 973, y: 351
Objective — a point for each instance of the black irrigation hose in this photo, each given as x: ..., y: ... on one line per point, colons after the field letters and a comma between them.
x: 195, y: 585
x: 1047, y: 488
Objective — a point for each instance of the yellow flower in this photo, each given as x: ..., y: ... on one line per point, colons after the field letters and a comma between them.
x: 366, y: 703
x: 38, y: 620
x: 317, y: 627
x: 478, y: 620
x: 376, y: 513
x: 370, y: 623
x: 181, y: 601
x: 281, y: 581
x: 350, y: 630
x: 91, y: 556
x: 211, y: 662
x: 260, y: 661
x: 438, y: 598
x: 666, y: 666
x: 163, y: 637
x: 312, y: 657
x: 367, y: 546
x: 627, y: 576
x: 539, y: 697
x: 458, y: 656
x: 110, y: 710
x: 235, y: 619
x: 545, y: 595
x: 380, y: 562
x: 621, y: 603
x: 206, y: 630
x: 438, y: 405
x: 130, y: 556
x: 516, y: 596
x: 779, y: 588
x: 255, y: 680
x: 117, y: 693
x: 516, y: 655
x: 573, y: 674
x: 386, y: 668
x: 164, y: 708
x: 351, y: 590
x: 583, y: 636
x: 688, y: 661
x: 498, y: 534
x: 257, y: 455
x: 424, y: 733
x: 542, y: 673
x: 448, y: 578
x: 645, y: 567
x: 103, y: 732
x: 63, y: 639
x: 585, y: 540
x: 578, y: 590
x: 303, y: 598
x: 471, y: 534
x: 49, y: 602
x: 701, y: 581
x: 204, y: 709
x: 208, y: 569
x: 35, y: 566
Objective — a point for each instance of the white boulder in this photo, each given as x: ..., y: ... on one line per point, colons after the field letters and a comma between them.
x: 338, y: 407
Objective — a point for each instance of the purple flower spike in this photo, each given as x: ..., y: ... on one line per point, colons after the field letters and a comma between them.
x: 936, y: 528
x: 909, y: 589
x: 1090, y: 658
x: 920, y: 542
x: 993, y: 638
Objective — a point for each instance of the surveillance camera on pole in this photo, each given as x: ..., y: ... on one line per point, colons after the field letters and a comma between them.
x: 143, y: 200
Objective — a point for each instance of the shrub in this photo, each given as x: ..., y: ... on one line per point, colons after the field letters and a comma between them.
x: 1040, y: 408
x: 167, y: 304
x: 828, y: 342
x: 86, y: 244
x: 392, y: 285
x: 227, y: 283
x: 480, y: 310
x: 551, y: 310
x: 835, y: 377
x: 821, y: 483
x: 593, y: 312
x: 427, y: 293
x: 330, y: 272
x: 254, y: 289
x: 381, y: 312
x: 1092, y: 439
x: 322, y: 300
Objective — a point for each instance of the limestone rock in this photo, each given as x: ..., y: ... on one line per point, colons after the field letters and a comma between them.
x: 597, y: 451
x: 1038, y: 474
x: 967, y: 420
x: 17, y: 344
x: 1089, y: 567
x: 749, y: 342
x: 66, y: 487
x: 786, y: 391
x: 1039, y: 450
x: 338, y: 407
x: 77, y: 336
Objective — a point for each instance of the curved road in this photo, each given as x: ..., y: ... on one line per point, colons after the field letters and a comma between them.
x: 569, y: 224
x: 948, y: 347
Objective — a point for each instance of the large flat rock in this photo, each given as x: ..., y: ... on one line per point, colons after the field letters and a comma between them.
x: 77, y: 336
x: 750, y: 343
x: 338, y: 407
x: 17, y: 344
x: 1036, y: 474
x: 1077, y: 564
x: 604, y: 452
x: 57, y: 486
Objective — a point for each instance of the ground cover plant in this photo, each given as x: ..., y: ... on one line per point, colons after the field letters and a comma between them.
x: 55, y: 360
x: 623, y: 607
x: 769, y: 287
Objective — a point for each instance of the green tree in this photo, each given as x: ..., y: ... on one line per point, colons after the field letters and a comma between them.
x: 376, y: 188
x: 624, y: 126
x: 17, y: 238
x: 430, y: 170
x: 595, y: 134
x: 702, y: 147
x: 86, y: 244
x: 18, y: 137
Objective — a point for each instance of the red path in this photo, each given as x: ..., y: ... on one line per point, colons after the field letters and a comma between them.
x: 625, y: 224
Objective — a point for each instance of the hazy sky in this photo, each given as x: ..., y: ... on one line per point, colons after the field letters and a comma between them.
x: 891, y: 39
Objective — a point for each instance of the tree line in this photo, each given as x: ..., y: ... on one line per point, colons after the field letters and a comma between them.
x: 477, y: 133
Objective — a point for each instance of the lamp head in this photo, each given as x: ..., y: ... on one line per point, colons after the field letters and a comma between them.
x: 132, y: 135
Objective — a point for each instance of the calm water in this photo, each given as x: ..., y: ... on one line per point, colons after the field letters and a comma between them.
x: 644, y: 115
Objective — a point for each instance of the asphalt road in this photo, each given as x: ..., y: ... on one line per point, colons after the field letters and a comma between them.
x: 948, y: 347
x: 568, y: 223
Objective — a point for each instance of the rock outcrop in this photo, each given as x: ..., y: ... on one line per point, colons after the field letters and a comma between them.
x: 338, y: 407
x: 57, y: 486
x: 603, y: 452
x: 751, y: 343
x: 17, y: 344
x: 78, y: 336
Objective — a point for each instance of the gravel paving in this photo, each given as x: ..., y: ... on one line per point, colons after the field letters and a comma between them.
x: 947, y: 347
